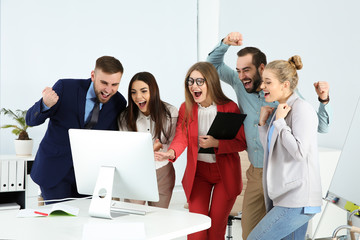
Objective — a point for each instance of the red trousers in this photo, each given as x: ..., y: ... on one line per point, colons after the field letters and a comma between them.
x: 208, y: 197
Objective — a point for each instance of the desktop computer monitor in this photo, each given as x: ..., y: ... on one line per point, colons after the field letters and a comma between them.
x: 130, y: 154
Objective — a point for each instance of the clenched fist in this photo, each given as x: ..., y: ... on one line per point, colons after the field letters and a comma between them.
x: 322, y: 90
x: 50, y: 97
x: 282, y: 110
x: 233, y: 39
x: 265, y: 113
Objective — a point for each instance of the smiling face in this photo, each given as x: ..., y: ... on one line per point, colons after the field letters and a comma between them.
x: 105, y: 84
x: 199, y: 93
x: 140, y: 94
x: 249, y: 75
x: 274, y: 90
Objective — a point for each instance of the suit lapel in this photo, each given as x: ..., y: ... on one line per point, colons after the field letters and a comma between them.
x: 193, y: 131
x: 274, y: 135
x: 220, y: 108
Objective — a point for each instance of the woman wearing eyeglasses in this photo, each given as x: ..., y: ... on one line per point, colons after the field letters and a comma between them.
x: 211, y: 181
x: 147, y: 113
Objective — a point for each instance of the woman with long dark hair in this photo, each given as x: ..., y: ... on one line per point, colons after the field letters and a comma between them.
x: 146, y: 112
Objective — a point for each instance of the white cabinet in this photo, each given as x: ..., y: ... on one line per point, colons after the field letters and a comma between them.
x: 331, y: 216
x: 25, y: 192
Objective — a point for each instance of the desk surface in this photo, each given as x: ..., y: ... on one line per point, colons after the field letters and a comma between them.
x: 159, y: 224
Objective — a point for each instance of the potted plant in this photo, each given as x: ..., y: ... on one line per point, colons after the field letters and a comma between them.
x: 23, y: 144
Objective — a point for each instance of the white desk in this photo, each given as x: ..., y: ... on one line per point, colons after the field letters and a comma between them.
x: 160, y: 224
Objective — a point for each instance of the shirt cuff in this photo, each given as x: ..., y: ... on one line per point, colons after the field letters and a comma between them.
x: 43, y: 107
x: 222, y: 46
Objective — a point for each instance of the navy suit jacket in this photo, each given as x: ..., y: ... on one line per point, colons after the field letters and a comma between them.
x: 53, y: 159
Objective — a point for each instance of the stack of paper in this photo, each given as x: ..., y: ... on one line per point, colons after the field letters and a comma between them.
x: 9, y: 206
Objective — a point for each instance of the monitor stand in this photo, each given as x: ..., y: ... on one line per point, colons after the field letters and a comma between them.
x: 100, y: 205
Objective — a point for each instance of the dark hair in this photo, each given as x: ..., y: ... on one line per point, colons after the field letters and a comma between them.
x: 159, y: 113
x: 109, y: 64
x: 258, y: 57
x: 212, y: 81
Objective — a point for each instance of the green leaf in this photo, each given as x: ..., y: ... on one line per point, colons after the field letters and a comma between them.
x: 9, y: 126
x: 16, y: 131
x: 19, y: 116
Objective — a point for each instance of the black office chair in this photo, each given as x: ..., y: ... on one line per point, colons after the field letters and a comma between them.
x: 235, y: 213
x: 230, y: 223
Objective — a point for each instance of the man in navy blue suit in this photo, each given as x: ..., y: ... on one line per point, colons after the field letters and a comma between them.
x: 69, y: 104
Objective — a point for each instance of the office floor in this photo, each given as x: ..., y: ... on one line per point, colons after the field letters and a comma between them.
x: 177, y: 202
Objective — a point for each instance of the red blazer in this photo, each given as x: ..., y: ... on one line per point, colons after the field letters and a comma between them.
x: 227, y: 156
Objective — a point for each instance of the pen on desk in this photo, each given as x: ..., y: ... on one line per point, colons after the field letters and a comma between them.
x: 41, y: 213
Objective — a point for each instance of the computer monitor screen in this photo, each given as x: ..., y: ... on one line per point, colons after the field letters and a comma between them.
x: 131, y: 153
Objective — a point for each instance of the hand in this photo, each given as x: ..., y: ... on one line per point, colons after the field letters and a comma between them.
x: 322, y: 90
x: 282, y: 111
x: 265, y: 113
x: 208, y: 141
x: 162, y: 156
x: 157, y: 145
x: 233, y: 39
x: 50, y: 97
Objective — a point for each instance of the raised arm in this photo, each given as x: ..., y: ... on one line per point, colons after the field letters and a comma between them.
x: 324, y: 111
x: 46, y: 106
x: 216, y: 57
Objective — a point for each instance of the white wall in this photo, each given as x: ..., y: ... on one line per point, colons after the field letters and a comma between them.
x: 208, y: 26
x: 34, y: 54
x: 323, y: 32
x: 42, y: 41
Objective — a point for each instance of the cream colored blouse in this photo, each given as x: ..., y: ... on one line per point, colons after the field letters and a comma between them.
x: 206, y: 116
x: 145, y: 124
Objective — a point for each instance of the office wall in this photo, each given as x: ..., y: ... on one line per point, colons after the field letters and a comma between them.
x: 323, y: 32
x: 40, y: 42
x: 43, y: 41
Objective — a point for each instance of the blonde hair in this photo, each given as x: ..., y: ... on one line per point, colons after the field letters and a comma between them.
x: 286, y: 70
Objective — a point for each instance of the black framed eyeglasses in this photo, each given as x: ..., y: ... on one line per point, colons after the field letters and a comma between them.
x: 199, y: 81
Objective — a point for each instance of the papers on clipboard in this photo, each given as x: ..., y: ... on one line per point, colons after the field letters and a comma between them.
x: 225, y: 126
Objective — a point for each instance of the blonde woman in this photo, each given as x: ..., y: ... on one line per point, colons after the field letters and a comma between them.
x: 291, y: 176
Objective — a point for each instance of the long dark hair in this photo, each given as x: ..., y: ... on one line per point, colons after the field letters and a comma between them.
x: 159, y: 113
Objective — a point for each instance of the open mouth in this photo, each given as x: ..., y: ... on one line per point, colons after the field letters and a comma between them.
x: 247, y: 83
x: 142, y: 104
x: 105, y: 95
x: 266, y: 94
x: 197, y: 94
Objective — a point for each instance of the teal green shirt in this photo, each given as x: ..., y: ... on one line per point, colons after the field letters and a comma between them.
x: 251, y: 103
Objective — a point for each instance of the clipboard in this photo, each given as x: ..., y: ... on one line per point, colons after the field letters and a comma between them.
x: 226, y: 125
